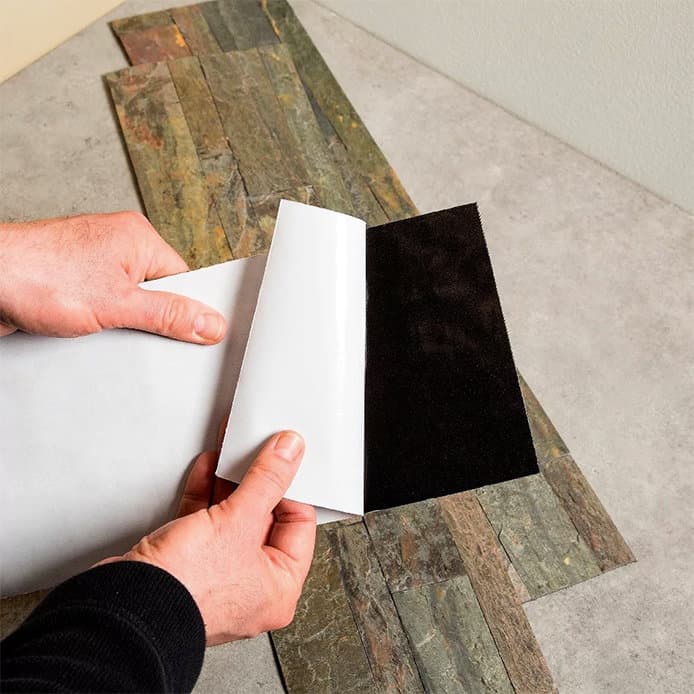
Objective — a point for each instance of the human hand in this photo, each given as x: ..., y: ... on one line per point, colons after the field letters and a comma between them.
x: 244, y: 559
x: 79, y: 275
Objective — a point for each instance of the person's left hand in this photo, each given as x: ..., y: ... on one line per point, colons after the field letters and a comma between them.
x: 79, y: 275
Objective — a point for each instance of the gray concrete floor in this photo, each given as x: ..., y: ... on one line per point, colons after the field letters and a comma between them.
x: 595, y: 274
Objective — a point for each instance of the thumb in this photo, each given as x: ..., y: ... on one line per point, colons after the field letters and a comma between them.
x: 171, y: 315
x: 270, y: 474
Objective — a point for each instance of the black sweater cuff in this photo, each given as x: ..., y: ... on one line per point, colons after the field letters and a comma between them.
x: 124, y: 626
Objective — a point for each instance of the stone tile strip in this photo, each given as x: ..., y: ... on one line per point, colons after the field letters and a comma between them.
x: 321, y: 650
x: 313, y: 149
x: 573, y: 490
x: 587, y: 513
x: 141, y: 22
x: 361, y: 148
x: 169, y: 175
x: 244, y: 21
x: 537, y: 534
x: 548, y: 443
x: 452, y: 643
x: 381, y: 631
x: 414, y: 545
x: 253, y: 122
x: 194, y: 28
x: 200, y: 159
x: 484, y: 563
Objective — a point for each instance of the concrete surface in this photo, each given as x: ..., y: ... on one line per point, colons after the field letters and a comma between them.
x: 597, y: 281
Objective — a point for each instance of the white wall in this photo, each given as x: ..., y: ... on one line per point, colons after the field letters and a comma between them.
x: 613, y: 78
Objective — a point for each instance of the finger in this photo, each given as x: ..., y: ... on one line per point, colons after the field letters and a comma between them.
x: 170, y: 315
x: 198, y: 489
x: 162, y: 259
x: 294, y: 533
x: 270, y: 474
x: 223, y: 489
x: 6, y: 329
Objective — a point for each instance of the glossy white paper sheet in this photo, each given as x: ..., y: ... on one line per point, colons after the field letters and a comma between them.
x: 304, y: 362
x: 97, y: 433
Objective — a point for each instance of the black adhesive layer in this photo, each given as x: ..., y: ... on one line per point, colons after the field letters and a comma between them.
x: 443, y: 410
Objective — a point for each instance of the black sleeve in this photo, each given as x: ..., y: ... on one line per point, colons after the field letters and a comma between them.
x: 120, y: 627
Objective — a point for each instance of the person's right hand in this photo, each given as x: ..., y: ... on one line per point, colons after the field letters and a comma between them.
x: 245, y: 558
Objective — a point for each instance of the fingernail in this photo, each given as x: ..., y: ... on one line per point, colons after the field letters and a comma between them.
x: 288, y: 446
x: 208, y: 326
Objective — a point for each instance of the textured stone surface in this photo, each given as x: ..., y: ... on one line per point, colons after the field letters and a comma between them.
x: 486, y: 567
x: 587, y: 513
x: 155, y: 44
x: 216, y: 142
x: 270, y: 162
x: 321, y: 651
x: 413, y: 545
x: 194, y: 29
x: 361, y: 148
x: 164, y: 157
x: 548, y: 444
x: 141, y: 22
x: 244, y: 21
x: 454, y: 650
x: 198, y: 107
x: 538, y: 535
x: 218, y: 27
x: 253, y: 122
x: 316, y: 157
x: 378, y: 622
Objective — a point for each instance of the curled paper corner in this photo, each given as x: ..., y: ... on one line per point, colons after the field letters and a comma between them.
x: 303, y: 367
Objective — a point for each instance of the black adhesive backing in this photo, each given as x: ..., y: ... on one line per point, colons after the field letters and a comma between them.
x: 443, y: 409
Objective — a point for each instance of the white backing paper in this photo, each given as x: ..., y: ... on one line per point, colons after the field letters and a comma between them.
x: 304, y: 362
x: 97, y: 433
